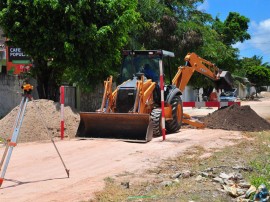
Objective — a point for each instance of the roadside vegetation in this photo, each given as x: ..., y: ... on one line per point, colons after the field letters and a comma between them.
x: 79, y: 42
x: 248, y: 158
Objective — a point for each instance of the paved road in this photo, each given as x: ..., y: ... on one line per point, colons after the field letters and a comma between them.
x: 261, y: 107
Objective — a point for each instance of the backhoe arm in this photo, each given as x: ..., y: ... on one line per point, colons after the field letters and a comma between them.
x: 202, y: 66
x: 194, y: 63
x: 182, y: 77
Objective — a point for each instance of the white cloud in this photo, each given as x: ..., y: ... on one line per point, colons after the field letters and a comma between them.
x: 260, y: 37
x: 259, y: 44
x: 204, y: 6
x: 240, y: 45
x: 244, y: 49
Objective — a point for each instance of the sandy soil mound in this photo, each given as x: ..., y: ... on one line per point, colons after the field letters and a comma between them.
x: 235, y: 117
x: 33, y: 129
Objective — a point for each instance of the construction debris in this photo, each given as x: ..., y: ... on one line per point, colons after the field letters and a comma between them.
x: 235, y: 186
x: 231, y: 183
x: 238, y: 118
x: 262, y: 194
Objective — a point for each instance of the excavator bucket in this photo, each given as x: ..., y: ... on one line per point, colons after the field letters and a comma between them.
x: 126, y: 126
x: 226, y: 81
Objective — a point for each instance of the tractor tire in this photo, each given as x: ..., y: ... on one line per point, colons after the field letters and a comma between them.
x: 156, y: 120
x: 174, y: 125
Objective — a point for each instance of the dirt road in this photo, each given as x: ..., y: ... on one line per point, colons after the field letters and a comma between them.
x: 35, y: 172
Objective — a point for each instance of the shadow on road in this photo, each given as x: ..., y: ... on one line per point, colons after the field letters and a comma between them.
x: 17, y: 183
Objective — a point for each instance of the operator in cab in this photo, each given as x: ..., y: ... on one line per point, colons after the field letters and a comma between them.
x: 150, y: 73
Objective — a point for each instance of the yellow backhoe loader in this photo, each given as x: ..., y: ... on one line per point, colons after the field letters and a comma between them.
x: 133, y: 110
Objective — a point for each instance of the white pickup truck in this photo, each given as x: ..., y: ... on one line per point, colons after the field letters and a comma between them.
x: 228, y: 96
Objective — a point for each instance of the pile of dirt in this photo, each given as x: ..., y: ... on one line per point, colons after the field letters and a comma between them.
x: 238, y: 118
x: 33, y: 129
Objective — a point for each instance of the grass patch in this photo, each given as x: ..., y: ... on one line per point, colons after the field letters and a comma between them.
x: 2, y: 140
x: 261, y: 162
x: 252, y: 154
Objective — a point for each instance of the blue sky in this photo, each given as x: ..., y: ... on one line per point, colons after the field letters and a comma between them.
x: 258, y: 11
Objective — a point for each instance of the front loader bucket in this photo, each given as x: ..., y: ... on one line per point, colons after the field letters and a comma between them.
x: 127, y: 126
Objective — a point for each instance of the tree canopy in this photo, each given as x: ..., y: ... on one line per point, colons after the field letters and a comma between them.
x: 233, y: 29
x: 81, y: 37
x: 181, y: 28
x: 258, y: 75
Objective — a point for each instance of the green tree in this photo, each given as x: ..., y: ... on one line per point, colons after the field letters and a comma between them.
x: 246, y: 63
x: 233, y: 29
x: 79, y: 38
x: 218, y: 38
x: 165, y: 26
x: 181, y: 28
x: 258, y: 75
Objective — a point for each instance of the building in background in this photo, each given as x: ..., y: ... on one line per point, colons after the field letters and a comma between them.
x: 12, y: 59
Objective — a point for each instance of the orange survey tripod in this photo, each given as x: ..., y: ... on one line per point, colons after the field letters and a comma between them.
x: 11, y: 143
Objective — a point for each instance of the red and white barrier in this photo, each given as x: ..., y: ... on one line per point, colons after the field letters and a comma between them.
x: 209, y: 104
x: 62, y: 101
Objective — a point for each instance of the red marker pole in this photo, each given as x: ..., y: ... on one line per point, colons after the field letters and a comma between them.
x: 162, y: 100
x: 62, y: 101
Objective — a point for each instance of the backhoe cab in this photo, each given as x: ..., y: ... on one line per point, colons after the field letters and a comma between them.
x: 137, y: 66
x: 146, y: 62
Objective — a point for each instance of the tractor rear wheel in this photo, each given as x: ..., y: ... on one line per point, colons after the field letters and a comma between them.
x: 156, y: 120
x: 174, y: 125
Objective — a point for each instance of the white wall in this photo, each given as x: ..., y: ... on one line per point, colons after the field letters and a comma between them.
x: 242, y: 91
x: 11, y: 93
x: 189, y: 94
